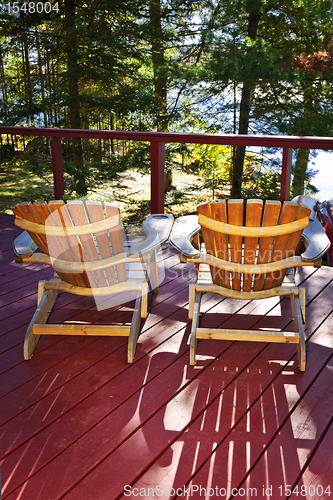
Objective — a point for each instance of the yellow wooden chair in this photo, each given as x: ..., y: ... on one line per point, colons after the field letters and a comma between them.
x: 246, y: 255
x: 84, y: 245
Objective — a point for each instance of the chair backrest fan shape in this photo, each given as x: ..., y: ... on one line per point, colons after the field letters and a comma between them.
x: 264, y: 232
x: 77, y: 233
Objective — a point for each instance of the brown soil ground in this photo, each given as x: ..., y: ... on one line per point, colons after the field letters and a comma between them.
x: 130, y: 191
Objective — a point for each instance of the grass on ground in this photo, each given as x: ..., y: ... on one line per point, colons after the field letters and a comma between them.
x: 19, y: 185
x: 130, y: 191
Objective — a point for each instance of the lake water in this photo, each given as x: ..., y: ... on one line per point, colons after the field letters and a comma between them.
x: 324, y: 179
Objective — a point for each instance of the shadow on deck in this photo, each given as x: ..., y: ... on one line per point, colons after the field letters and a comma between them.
x: 78, y: 422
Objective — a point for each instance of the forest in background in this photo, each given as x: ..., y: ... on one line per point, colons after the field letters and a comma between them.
x: 214, y: 66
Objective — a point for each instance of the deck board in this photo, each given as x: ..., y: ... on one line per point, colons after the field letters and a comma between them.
x: 77, y: 421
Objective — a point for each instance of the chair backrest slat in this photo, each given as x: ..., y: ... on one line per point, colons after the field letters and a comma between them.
x: 293, y: 242
x: 235, y: 217
x: 44, y: 213
x: 208, y: 236
x: 95, y: 211
x: 253, y: 219
x: 79, y: 216
x: 65, y: 247
x: 288, y: 214
x: 116, y: 238
x: 270, y: 218
x: 25, y: 211
x: 219, y: 213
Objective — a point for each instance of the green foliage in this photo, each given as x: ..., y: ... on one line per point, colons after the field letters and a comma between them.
x: 18, y: 183
x: 261, y: 184
x: 181, y: 66
x: 214, y: 165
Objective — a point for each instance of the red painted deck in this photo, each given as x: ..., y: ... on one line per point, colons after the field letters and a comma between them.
x: 78, y: 422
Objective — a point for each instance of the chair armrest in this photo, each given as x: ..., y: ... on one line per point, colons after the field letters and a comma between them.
x: 23, y: 246
x: 315, y: 240
x: 182, y: 233
x: 158, y: 228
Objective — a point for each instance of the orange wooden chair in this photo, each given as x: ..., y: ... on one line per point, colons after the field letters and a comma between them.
x: 84, y: 245
x: 246, y: 255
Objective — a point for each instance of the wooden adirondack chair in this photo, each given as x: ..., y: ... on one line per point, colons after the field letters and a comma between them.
x: 84, y: 245
x: 246, y: 255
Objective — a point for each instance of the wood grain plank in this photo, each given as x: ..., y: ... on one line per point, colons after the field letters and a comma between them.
x: 188, y: 439
x: 293, y: 242
x: 235, y: 217
x: 288, y: 214
x: 143, y: 426
x: 219, y: 213
x: 253, y: 219
x: 195, y: 450
x: 116, y: 238
x: 153, y: 335
x: 14, y: 272
x: 108, y: 408
x: 95, y: 211
x: 211, y: 347
x: 69, y: 245
x: 208, y: 236
x: 257, y: 429
x: 295, y: 441
x: 111, y: 429
x: 13, y: 347
x: 25, y: 211
x: 316, y: 480
x: 77, y: 211
x: 56, y: 245
x: 116, y: 364
x: 270, y: 218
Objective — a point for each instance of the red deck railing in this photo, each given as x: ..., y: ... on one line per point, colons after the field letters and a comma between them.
x: 157, y: 151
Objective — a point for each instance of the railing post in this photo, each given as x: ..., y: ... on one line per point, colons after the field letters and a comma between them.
x: 287, y: 157
x: 58, y: 173
x: 157, y: 160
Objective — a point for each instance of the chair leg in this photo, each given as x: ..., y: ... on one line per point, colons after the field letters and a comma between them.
x: 153, y: 272
x: 298, y: 325
x: 41, y: 315
x: 195, y: 324
x: 302, y: 300
x: 191, y: 294
x: 134, y: 330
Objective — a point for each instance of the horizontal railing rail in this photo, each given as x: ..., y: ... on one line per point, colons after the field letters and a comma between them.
x: 157, y: 151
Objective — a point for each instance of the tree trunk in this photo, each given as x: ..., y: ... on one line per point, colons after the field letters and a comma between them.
x: 74, y: 104
x: 41, y: 74
x: 301, y: 165
x: 3, y: 84
x: 244, y: 114
x: 48, y: 86
x: 302, y: 158
x: 160, y: 75
x: 27, y: 74
x: 112, y: 128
